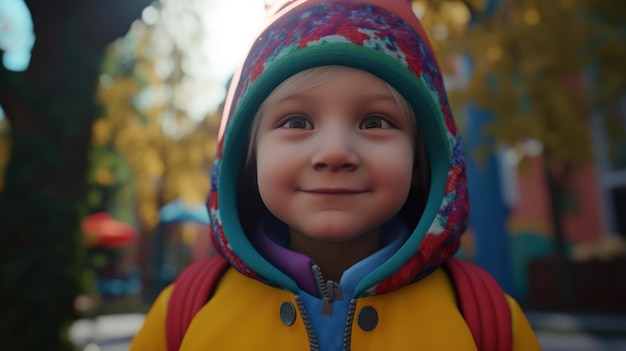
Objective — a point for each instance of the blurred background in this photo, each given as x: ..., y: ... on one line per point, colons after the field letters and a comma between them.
x: 109, y: 112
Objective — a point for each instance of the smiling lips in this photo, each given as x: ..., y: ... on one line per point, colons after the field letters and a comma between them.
x: 333, y: 191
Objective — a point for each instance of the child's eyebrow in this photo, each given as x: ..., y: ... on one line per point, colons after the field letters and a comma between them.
x: 380, y: 96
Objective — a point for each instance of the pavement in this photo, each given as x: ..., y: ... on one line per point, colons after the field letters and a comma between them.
x: 556, y: 331
x: 559, y: 331
x: 105, y: 333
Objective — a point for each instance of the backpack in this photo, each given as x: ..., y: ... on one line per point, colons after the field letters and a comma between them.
x: 481, y: 301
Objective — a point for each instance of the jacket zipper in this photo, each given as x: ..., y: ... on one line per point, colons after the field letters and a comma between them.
x: 347, y: 335
x: 330, y: 291
x: 313, y: 344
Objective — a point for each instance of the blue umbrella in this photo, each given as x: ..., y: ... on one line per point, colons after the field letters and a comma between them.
x: 182, y: 211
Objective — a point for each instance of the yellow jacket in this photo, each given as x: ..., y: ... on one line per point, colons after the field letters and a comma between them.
x: 244, y: 314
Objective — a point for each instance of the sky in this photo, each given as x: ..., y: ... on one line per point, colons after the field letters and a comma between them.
x: 230, y: 27
x: 215, y: 36
x: 16, y: 34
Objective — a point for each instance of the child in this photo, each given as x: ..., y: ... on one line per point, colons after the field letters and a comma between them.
x: 338, y: 192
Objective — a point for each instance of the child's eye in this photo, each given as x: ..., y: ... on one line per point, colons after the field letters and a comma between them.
x: 295, y: 122
x: 374, y: 122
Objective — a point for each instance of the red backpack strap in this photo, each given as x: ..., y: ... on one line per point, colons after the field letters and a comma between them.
x: 483, y: 305
x: 192, y: 289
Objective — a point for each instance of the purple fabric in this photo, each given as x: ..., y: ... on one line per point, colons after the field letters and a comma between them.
x: 296, y: 265
x: 271, y: 239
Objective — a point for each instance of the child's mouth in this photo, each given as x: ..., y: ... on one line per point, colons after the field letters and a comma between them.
x: 334, y: 191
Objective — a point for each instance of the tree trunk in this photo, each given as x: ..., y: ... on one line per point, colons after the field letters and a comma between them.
x: 563, y: 270
x: 50, y: 108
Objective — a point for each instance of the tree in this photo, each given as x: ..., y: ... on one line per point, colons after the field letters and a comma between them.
x: 50, y: 108
x: 540, y: 67
x: 155, y: 92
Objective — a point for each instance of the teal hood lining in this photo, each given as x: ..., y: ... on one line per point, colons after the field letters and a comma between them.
x: 428, y: 116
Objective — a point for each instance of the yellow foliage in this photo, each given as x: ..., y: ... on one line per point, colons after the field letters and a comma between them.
x: 210, y: 147
x: 117, y: 97
x: 532, y: 16
x: 104, y: 176
x: 165, y: 169
x: 101, y: 132
x: 528, y: 59
x: 5, y: 147
x: 149, y: 214
x: 151, y: 163
x: 5, y: 152
x: 189, y: 234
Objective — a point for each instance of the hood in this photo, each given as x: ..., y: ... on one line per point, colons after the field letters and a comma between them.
x: 382, y: 37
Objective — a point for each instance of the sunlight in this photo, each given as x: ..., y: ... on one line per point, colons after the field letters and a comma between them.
x: 196, y: 46
x: 232, y: 25
x: 16, y: 34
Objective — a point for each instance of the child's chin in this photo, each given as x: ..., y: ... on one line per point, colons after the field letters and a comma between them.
x: 336, y: 233
x: 334, y: 237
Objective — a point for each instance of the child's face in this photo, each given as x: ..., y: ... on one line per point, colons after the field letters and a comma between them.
x: 335, y: 161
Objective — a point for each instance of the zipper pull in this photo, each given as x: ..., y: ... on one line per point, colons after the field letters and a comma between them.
x: 334, y: 290
x: 327, y: 306
x: 334, y: 293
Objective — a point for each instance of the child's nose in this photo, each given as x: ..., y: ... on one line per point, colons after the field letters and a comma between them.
x: 335, y: 154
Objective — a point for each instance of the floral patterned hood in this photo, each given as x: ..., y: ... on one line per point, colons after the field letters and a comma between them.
x: 384, y: 38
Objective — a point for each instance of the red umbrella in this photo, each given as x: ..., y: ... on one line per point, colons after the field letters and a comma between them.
x: 102, y: 230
